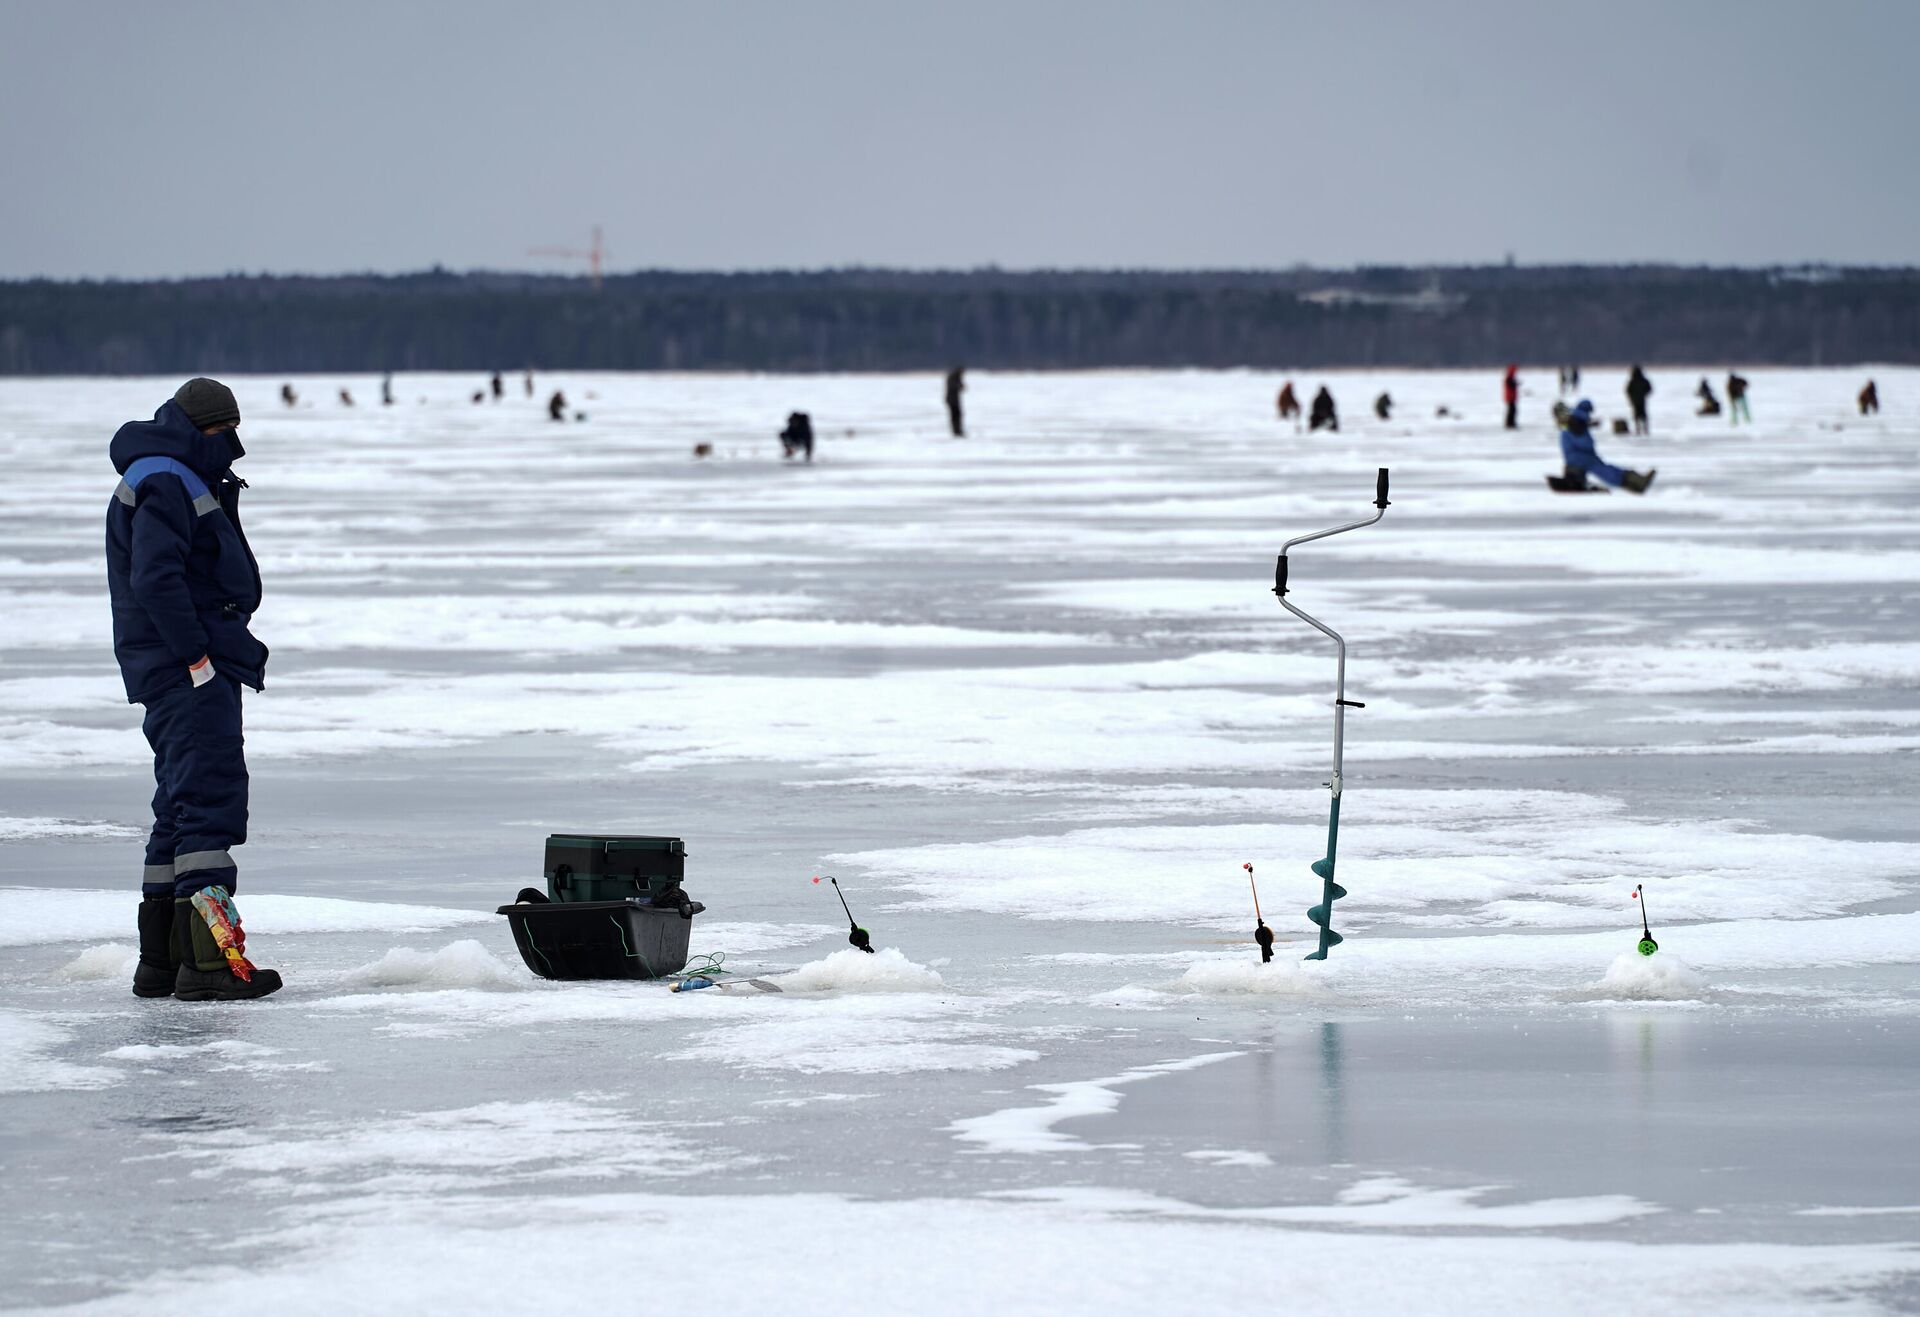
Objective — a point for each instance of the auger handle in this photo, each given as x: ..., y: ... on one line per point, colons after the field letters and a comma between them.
x: 1280, y: 575
x: 1380, y: 489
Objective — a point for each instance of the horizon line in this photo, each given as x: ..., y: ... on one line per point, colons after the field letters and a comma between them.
x: 990, y: 268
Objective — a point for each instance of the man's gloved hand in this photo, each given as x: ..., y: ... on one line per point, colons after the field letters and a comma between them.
x: 201, y: 672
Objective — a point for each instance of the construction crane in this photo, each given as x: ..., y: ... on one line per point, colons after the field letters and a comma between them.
x: 594, y: 256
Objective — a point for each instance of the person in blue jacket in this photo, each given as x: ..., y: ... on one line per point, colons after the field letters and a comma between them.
x: 1576, y: 448
x: 184, y: 586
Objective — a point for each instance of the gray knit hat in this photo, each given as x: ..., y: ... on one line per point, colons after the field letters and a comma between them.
x: 208, y: 403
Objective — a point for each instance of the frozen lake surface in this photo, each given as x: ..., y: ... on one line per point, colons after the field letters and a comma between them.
x: 1030, y: 697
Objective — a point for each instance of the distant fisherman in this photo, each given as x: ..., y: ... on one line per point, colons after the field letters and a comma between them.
x: 1737, y: 399
x: 1323, y: 415
x: 556, y: 406
x: 1576, y: 447
x: 1869, y: 399
x: 1288, y: 404
x: 1510, y: 394
x: 956, y: 383
x: 184, y: 586
x: 1383, y: 407
x: 798, y: 436
x: 1638, y: 389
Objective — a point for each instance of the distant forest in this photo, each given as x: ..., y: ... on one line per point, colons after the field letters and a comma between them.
x: 886, y: 320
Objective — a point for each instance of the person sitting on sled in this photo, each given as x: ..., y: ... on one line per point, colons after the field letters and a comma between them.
x: 1576, y: 447
x: 798, y: 436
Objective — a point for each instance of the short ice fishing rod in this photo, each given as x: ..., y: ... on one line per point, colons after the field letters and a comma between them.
x: 858, y: 936
x: 1261, y: 933
x: 1647, y: 945
x: 1331, y: 891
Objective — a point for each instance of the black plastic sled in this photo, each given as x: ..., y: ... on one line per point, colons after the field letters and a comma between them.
x: 1563, y: 485
x: 626, y: 939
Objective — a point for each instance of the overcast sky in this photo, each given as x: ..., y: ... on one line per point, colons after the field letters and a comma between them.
x: 161, y: 138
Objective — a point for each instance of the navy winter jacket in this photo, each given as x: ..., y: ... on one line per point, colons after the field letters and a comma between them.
x: 1576, y: 447
x: 182, y: 578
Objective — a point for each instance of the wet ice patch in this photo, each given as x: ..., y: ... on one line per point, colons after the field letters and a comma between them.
x: 1659, y: 977
x: 853, y: 970
x: 751, y: 1253
x: 543, y: 623
x: 111, y: 960
x: 541, y: 1005
x: 27, y: 1063
x: 463, y: 964
x: 1031, y: 1129
x: 1382, y: 1203
x: 225, y: 1048
x: 743, y: 938
x: 490, y: 1144
x: 1438, y: 859
x: 36, y: 829
x: 884, y: 1032
x: 1174, y: 599
x: 811, y: 1099
x: 877, y: 1042
x: 540, y: 622
x: 1229, y: 1157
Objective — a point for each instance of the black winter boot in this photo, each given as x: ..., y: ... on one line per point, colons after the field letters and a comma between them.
x: 1637, y: 483
x: 212, y: 947
x: 153, y: 976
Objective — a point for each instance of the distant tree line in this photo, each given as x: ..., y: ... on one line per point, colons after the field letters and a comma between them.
x: 891, y: 320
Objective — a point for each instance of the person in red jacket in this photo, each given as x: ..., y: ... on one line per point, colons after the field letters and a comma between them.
x: 1510, y: 390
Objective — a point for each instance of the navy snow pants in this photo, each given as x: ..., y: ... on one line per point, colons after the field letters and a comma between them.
x: 200, y: 796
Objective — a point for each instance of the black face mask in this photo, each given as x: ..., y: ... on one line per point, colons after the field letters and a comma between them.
x: 234, y: 450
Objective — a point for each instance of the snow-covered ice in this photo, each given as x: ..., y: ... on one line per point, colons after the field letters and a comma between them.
x: 851, y: 970
x: 1658, y: 977
x: 1029, y: 696
x: 462, y: 964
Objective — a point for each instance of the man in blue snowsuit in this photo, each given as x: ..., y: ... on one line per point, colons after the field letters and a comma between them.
x: 184, y: 586
x: 1576, y: 448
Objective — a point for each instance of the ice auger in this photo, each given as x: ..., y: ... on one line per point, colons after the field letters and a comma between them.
x: 1331, y: 891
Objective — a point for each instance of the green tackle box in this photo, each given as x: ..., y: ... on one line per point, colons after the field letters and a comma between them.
x: 605, y: 868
